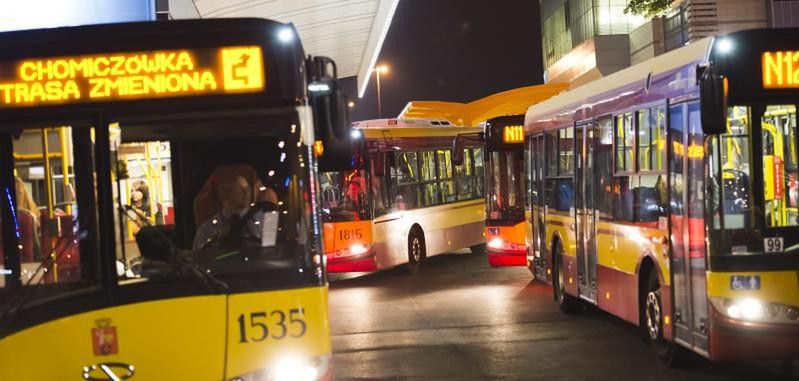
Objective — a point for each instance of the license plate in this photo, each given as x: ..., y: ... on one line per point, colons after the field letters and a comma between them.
x: 773, y: 245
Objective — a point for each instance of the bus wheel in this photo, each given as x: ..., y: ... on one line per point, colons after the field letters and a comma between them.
x: 478, y: 249
x: 668, y: 353
x: 567, y: 303
x: 416, y: 250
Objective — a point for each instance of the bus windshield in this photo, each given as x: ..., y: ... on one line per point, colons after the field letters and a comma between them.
x: 344, y: 196
x: 506, y: 185
x: 249, y: 213
x: 733, y: 174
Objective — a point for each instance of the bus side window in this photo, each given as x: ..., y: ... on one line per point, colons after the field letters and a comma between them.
x: 604, y: 167
x: 479, y: 171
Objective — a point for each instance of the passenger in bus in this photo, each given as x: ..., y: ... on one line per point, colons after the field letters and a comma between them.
x: 139, y: 207
x: 229, y: 192
x: 354, y: 196
x: 30, y: 226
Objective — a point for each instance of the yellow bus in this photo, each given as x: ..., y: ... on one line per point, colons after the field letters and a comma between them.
x: 403, y: 200
x: 507, y: 235
x: 160, y: 211
x: 666, y: 194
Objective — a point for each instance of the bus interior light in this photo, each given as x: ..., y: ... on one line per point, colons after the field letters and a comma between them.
x: 319, y: 88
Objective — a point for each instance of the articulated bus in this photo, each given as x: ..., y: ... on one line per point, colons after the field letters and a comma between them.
x: 160, y: 217
x: 403, y: 201
x: 507, y: 204
x: 666, y: 194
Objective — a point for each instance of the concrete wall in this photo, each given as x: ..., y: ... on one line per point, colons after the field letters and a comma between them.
x: 647, y: 41
x: 735, y: 15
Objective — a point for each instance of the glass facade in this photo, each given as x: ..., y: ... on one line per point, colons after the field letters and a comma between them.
x: 784, y: 13
x: 568, y: 23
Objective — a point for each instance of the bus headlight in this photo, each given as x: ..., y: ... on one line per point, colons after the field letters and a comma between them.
x: 293, y: 369
x: 751, y: 309
x: 496, y: 243
x: 358, y: 248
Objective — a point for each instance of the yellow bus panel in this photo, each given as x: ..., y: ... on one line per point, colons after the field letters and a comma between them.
x: 171, y: 339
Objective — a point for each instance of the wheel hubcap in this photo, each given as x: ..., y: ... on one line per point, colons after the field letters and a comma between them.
x: 416, y: 249
x: 653, y: 315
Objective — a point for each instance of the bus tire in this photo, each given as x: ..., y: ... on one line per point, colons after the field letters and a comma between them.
x: 416, y: 250
x: 478, y: 249
x: 567, y: 303
x: 668, y: 352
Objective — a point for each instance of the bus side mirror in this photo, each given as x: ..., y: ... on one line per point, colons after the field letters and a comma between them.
x: 713, y: 101
x: 331, y: 115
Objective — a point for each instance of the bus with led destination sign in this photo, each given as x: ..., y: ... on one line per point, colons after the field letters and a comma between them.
x: 155, y: 74
x: 667, y: 194
x: 507, y: 234
x: 161, y: 215
x: 781, y: 69
x: 513, y: 134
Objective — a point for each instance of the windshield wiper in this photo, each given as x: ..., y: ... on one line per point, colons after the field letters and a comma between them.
x: 23, y: 295
x: 209, y: 279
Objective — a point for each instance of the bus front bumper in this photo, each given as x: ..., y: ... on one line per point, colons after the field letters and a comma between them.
x: 358, y: 263
x: 735, y: 340
x: 499, y: 259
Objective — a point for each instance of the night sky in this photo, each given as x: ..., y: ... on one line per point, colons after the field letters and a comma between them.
x: 454, y: 50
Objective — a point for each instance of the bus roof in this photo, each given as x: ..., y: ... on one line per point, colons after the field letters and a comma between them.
x: 402, y: 122
x: 410, y: 128
x: 474, y: 113
x: 625, y: 87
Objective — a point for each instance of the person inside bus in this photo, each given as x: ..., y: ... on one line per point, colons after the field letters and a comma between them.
x: 30, y: 227
x: 354, y: 195
x: 229, y: 192
x: 139, y: 207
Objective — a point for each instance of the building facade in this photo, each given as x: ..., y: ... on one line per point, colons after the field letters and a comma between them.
x: 587, y: 39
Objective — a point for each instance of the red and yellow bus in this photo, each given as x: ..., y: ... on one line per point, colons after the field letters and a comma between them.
x: 666, y: 194
x: 507, y: 203
x: 403, y: 201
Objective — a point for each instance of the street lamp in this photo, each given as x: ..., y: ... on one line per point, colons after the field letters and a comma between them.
x: 382, y: 69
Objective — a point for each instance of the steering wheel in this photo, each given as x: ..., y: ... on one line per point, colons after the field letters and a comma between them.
x: 239, y: 230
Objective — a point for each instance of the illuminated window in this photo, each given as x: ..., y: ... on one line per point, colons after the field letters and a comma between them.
x: 625, y: 136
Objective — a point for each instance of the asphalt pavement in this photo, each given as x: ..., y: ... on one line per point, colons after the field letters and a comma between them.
x: 460, y: 319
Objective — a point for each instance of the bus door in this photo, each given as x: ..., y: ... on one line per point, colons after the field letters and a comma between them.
x: 584, y: 209
x: 535, y: 146
x: 686, y: 184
